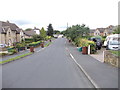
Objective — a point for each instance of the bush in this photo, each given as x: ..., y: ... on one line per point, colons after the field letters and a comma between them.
x: 103, y: 39
x: 12, y: 51
x: 3, y: 54
x: 35, y: 43
x: 48, y: 37
x: 19, y: 45
x: 28, y: 40
x: 83, y: 42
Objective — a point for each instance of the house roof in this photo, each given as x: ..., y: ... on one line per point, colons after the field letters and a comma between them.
x: 110, y: 29
x: 101, y: 29
x: 29, y: 33
x: 5, y: 25
x: 92, y: 30
x: 36, y: 28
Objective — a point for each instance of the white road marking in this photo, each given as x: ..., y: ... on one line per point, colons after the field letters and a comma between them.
x: 40, y: 49
x: 90, y: 79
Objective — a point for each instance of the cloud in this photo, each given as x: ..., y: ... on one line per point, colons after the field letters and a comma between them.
x: 21, y: 22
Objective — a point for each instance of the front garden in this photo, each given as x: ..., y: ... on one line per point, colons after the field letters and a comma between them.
x: 23, y: 45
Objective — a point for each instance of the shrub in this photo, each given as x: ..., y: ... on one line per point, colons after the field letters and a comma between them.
x: 48, y: 37
x: 35, y: 43
x: 18, y: 45
x: 12, y: 51
x: 3, y: 54
x: 28, y: 40
x: 83, y: 42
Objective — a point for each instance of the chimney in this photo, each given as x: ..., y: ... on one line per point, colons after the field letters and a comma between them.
x: 8, y: 21
x: 34, y: 27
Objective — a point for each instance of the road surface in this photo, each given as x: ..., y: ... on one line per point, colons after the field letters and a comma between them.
x: 51, y: 67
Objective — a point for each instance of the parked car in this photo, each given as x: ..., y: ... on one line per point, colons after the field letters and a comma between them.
x: 113, y: 42
x: 110, y: 37
x: 113, y: 45
x: 3, y: 45
x: 98, y: 41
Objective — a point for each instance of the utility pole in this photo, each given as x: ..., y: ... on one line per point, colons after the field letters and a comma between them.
x: 67, y: 25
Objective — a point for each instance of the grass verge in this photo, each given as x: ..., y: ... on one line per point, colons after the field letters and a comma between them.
x: 115, y: 52
x: 15, y: 58
x: 48, y: 44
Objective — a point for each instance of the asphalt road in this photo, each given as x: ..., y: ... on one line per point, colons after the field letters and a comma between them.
x: 51, y: 67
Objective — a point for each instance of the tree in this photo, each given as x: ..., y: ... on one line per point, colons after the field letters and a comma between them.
x: 36, y: 38
x: 56, y: 32
x: 117, y: 30
x: 43, y: 33
x: 77, y: 31
x: 50, y: 30
x: 28, y: 29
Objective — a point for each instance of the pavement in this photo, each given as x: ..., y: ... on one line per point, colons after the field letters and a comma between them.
x: 20, y: 53
x: 104, y: 75
x: 51, y: 67
x: 99, y: 55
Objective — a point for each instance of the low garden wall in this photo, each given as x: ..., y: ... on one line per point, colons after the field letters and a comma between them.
x: 112, y: 59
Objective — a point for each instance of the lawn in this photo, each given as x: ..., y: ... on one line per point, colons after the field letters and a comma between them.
x: 115, y: 52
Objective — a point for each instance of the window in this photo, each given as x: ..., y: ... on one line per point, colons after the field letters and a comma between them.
x: 9, y: 34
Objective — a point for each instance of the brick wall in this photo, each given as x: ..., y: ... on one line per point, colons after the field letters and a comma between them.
x: 111, y: 59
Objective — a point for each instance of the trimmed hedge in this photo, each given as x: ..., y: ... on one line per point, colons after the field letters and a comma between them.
x: 28, y: 40
x: 34, y: 44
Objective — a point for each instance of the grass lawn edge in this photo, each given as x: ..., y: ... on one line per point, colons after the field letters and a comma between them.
x: 15, y: 58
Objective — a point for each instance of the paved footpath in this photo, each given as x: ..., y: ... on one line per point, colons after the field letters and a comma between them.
x: 20, y: 53
x: 104, y: 75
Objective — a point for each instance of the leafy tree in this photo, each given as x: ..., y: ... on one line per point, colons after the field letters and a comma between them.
x: 117, y: 30
x: 28, y: 29
x: 36, y: 38
x: 50, y: 30
x: 77, y: 31
x: 43, y: 33
x: 56, y: 32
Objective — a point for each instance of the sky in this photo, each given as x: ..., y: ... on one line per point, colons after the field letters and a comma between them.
x: 40, y: 13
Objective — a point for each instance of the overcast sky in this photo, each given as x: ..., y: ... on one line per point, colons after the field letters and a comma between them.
x: 39, y: 13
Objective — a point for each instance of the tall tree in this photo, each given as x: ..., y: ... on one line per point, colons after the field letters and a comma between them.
x: 43, y: 33
x: 77, y: 31
x: 117, y: 30
x: 50, y: 30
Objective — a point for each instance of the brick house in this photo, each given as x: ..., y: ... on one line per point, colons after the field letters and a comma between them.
x: 104, y: 31
x: 99, y: 31
x: 109, y: 30
x: 9, y: 33
x: 31, y: 32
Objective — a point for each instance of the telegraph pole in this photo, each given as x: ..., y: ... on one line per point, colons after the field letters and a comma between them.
x: 67, y: 25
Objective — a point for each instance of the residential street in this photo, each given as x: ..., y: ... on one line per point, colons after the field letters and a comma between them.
x: 50, y: 68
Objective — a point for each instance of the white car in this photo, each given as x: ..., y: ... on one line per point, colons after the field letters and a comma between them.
x: 3, y: 45
x: 110, y: 37
x: 113, y: 45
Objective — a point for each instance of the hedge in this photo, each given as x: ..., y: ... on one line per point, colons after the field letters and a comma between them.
x: 34, y: 44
